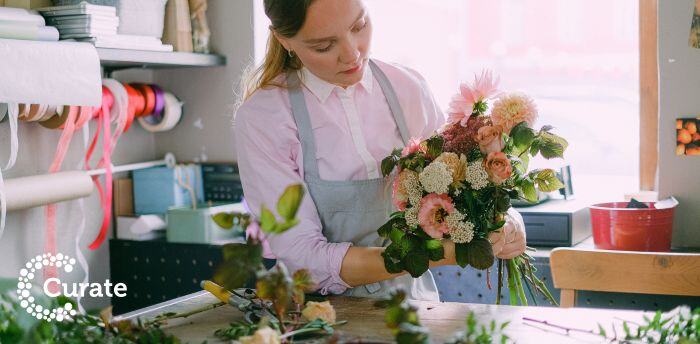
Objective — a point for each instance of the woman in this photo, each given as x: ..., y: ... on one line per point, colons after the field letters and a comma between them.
x: 319, y: 112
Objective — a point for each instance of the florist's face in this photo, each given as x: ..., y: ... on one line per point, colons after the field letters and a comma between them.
x: 334, y: 41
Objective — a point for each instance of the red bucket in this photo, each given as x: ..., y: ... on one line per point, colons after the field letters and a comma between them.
x: 630, y: 229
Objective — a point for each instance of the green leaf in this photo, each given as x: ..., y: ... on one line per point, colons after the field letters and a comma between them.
x: 223, y: 220
x: 239, y: 264
x: 290, y: 201
x: 388, y: 165
x: 547, y: 181
x: 522, y: 137
x: 552, y: 146
x: 528, y: 189
x: 480, y: 254
x: 385, y: 229
x: 462, y: 255
x: 392, y: 264
x: 396, y: 235
x: 601, y: 330
x: 435, y: 249
x: 435, y: 144
x: 267, y: 220
x: 417, y: 263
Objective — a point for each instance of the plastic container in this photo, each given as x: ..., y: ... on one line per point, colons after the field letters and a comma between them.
x: 187, y: 225
x: 141, y: 17
x: 618, y: 228
x: 156, y: 189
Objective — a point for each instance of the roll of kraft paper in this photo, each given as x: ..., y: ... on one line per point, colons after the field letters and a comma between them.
x: 34, y: 191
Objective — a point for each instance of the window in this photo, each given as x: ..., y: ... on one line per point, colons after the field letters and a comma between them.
x: 579, y: 60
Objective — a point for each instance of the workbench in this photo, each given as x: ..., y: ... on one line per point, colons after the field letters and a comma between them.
x: 366, y: 322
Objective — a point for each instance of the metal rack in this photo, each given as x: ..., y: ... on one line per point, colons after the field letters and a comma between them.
x: 117, y: 59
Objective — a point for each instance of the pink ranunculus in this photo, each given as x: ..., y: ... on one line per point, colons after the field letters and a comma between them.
x: 497, y: 165
x: 412, y: 147
x: 513, y: 108
x: 490, y: 139
x: 433, y: 210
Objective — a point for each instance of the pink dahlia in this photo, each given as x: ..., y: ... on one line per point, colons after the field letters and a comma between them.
x: 433, y: 210
x: 462, y: 104
x: 513, y: 108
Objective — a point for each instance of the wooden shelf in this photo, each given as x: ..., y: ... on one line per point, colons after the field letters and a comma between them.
x: 114, y: 59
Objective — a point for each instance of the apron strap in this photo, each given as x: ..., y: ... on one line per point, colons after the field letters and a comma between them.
x: 393, y: 101
x: 303, y: 122
x: 301, y: 117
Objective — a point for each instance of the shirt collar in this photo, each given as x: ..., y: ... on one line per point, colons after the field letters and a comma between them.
x: 323, y: 89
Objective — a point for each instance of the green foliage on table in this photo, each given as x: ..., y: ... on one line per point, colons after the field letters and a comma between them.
x: 236, y: 330
x: 481, y: 334
x: 680, y: 325
x: 16, y: 326
x: 402, y: 319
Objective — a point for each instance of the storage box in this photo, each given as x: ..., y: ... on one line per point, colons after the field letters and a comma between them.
x: 141, y: 17
x: 156, y: 189
x: 556, y: 223
x: 187, y: 225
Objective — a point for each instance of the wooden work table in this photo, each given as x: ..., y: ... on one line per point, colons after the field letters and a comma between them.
x: 366, y: 322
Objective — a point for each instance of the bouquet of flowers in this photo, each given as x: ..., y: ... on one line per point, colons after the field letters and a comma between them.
x: 458, y: 184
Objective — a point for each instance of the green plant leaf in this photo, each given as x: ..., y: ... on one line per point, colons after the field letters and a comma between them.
x: 388, y: 165
x: 547, y: 181
x: 396, y: 235
x: 290, y: 201
x: 528, y: 189
x: 223, y: 220
x: 392, y: 264
x: 435, y: 249
x: 480, y: 254
x: 435, y: 144
x: 552, y: 146
x: 522, y: 137
x: 239, y: 264
x: 462, y: 254
x: 416, y: 263
x: 267, y: 220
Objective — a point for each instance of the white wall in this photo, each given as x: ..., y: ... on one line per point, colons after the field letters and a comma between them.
x: 679, y: 68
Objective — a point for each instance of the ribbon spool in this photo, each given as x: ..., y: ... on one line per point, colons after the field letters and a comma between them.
x: 149, y: 96
x: 171, y: 115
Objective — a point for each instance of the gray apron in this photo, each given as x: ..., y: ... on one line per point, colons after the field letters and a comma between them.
x: 351, y: 211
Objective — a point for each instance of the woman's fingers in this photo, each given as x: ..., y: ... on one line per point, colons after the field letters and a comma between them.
x: 497, y: 242
x: 514, y: 240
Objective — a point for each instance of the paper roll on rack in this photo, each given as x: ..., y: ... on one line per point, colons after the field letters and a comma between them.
x: 39, y: 190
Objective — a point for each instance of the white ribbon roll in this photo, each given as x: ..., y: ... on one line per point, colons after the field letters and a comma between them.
x: 119, y: 111
x: 12, y: 114
x: 171, y: 115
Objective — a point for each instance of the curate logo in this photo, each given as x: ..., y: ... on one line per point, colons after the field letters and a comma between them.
x: 52, y: 287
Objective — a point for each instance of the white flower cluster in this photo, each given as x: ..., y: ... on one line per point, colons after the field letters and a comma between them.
x: 460, y: 231
x: 413, y: 188
x: 411, y: 216
x: 477, y: 176
x: 436, y: 178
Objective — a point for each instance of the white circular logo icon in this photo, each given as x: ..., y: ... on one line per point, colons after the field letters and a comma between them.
x: 24, y: 285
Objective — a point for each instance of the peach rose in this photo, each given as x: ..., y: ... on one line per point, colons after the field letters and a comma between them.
x: 490, y: 139
x: 264, y: 335
x: 498, y: 167
x: 319, y: 310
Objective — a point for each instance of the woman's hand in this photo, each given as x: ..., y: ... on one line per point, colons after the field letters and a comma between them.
x: 509, y: 242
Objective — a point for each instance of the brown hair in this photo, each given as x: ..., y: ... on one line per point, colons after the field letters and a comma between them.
x: 287, y: 17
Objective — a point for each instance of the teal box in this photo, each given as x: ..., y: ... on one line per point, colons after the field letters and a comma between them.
x: 187, y: 225
x: 156, y: 189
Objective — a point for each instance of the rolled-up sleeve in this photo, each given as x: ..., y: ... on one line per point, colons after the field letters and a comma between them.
x: 269, y: 160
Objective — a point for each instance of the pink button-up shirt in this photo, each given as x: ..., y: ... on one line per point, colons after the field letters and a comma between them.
x: 354, y: 130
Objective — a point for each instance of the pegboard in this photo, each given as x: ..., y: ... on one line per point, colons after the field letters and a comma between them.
x: 155, y: 271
